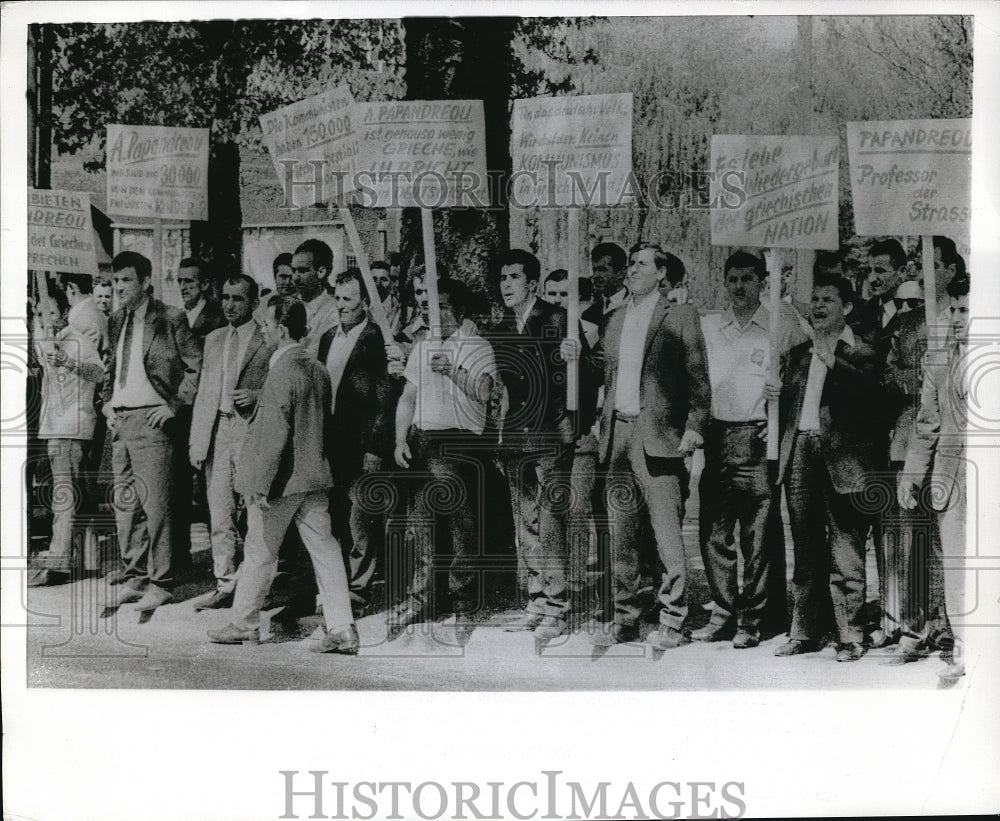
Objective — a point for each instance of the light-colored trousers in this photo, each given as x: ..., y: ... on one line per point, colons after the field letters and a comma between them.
x: 223, y: 501
x: 65, y: 459
x: 265, y: 531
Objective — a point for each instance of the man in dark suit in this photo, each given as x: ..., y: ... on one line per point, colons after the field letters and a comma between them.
x: 203, y: 312
x: 539, y: 436
x: 830, y: 454
x: 284, y: 475
x: 155, y: 363
x: 359, y: 436
x: 233, y: 372
x: 656, y: 406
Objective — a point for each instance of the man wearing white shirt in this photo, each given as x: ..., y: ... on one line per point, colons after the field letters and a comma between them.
x: 359, y: 433
x: 311, y: 265
x: 233, y: 372
x: 655, y: 411
x: 830, y: 454
x: 440, y: 419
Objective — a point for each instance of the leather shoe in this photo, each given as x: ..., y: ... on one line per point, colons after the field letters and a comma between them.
x: 551, y: 627
x: 950, y: 675
x: 216, y: 601
x: 399, y: 620
x: 908, y: 650
x: 794, y: 647
x: 849, y: 651
x: 666, y: 638
x: 47, y: 578
x: 345, y: 642
x: 523, y: 623
x: 154, y: 597
x: 231, y: 634
x: 128, y: 591
x: 608, y: 634
x: 745, y: 639
x: 713, y: 632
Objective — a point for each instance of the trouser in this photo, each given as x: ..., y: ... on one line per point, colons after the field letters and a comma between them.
x: 445, y: 483
x: 910, y: 554
x: 957, y: 578
x: 740, y: 492
x: 65, y: 461
x: 541, y: 497
x: 143, y: 461
x: 265, y: 532
x: 223, y: 501
x: 828, y: 531
x: 358, y: 509
x: 585, y: 531
x: 640, y: 487
x: 183, y: 489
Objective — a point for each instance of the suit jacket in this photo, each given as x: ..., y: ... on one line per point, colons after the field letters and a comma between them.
x: 171, y: 354
x: 938, y: 443
x: 251, y: 375
x: 853, y: 437
x: 674, y: 391
x: 906, y: 343
x: 534, y: 373
x: 210, y: 319
x: 283, y: 453
x: 365, y: 410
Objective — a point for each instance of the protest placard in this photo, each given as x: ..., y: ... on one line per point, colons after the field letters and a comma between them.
x: 425, y: 153
x: 157, y: 172
x: 61, y: 232
x: 911, y: 177
x: 314, y: 144
x: 571, y: 150
x: 774, y: 191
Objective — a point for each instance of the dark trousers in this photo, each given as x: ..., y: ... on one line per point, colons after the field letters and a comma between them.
x: 541, y: 495
x: 182, y: 497
x: 828, y: 530
x: 144, y: 501
x: 740, y: 495
x: 358, y: 507
x: 639, y: 489
x: 445, y: 481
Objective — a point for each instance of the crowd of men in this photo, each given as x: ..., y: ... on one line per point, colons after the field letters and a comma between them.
x: 298, y: 406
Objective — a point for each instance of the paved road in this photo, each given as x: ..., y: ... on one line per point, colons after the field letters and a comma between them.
x: 70, y: 646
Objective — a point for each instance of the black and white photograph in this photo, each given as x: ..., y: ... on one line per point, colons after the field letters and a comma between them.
x: 500, y: 411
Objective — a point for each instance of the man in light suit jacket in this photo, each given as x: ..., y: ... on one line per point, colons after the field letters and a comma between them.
x: 155, y: 362
x: 656, y: 406
x: 359, y: 435
x: 284, y: 476
x: 831, y: 454
x: 938, y: 449
x: 235, y: 366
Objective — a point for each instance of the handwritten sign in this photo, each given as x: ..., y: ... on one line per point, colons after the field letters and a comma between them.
x: 911, y: 177
x: 572, y: 150
x: 775, y: 192
x: 314, y: 145
x: 426, y: 153
x: 61, y: 232
x: 158, y: 171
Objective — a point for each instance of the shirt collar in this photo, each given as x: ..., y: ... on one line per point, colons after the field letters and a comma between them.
x: 355, y: 332
x: 244, y: 331
x: 280, y: 352
x: 140, y: 310
x: 760, y: 317
x: 847, y: 337
x: 644, y: 302
x: 196, y: 309
x: 527, y: 310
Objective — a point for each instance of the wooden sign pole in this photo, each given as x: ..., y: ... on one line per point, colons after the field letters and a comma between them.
x: 430, y: 277
x: 774, y: 309
x: 573, y: 309
x: 378, y: 309
x: 930, y: 289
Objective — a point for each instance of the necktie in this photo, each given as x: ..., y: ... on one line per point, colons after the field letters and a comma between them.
x: 229, y: 371
x: 126, y: 349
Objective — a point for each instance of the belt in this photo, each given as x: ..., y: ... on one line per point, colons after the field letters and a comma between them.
x: 120, y: 408
x: 227, y: 414
x: 722, y: 423
x: 626, y: 417
x: 810, y: 433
